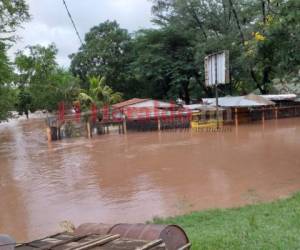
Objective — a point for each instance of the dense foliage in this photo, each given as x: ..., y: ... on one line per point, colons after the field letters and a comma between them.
x: 167, y: 62
x: 98, y: 93
x: 41, y: 78
x: 262, y: 36
x: 12, y: 14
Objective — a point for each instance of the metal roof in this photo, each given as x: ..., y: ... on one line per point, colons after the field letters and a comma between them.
x: 240, y: 101
x: 280, y: 97
x: 144, y: 103
x: 129, y: 102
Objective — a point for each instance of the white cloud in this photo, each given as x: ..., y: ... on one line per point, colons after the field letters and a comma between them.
x: 50, y: 23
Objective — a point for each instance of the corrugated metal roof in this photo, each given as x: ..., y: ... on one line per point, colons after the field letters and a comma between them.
x: 240, y: 101
x: 143, y: 103
x: 198, y: 107
x: 280, y: 97
x: 129, y: 102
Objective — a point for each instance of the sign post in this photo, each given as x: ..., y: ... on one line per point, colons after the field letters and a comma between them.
x: 216, y: 89
x: 217, y: 72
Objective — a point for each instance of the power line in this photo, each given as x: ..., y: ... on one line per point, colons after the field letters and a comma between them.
x: 73, y: 23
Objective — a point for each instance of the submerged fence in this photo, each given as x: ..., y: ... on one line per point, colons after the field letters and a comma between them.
x: 106, y: 120
x: 266, y: 113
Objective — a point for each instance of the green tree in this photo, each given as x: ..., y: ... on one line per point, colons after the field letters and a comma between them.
x: 99, y: 93
x: 249, y: 29
x: 165, y: 64
x: 6, y: 100
x: 103, y: 53
x: 47, y: 83
x: 24, y: 102
x: 12, y: 15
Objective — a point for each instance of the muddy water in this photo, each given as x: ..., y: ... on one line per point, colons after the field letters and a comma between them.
x: 134, y: 177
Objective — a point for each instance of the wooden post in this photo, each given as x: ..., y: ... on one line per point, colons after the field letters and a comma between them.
x: 58, y: 133
x: 236, y: 117
x: 88, y: 127
x: 125, y: 125
x: 263, y: 115
x: 48, y: 132
x: 276, y: 113
x: 158, y: 124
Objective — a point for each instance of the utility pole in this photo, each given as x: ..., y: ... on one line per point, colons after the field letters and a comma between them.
x: 216, y: 89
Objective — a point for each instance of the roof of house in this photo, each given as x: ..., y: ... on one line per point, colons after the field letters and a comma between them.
x: 129, y: 102
x: 280, y: 97
x: 250, y: 100
x: 144, y: 103
x: 197, y: 107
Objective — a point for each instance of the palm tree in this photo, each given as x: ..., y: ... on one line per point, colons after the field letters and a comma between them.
x: 98, y: 93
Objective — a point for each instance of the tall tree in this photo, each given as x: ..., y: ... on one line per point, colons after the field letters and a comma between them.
x: 164, y: 63
x: 6, y: 76
x: 47, y: 83
x: 245, y: 27
x: 99, y: 93
x: 12, y: 14
x: 103, y: 53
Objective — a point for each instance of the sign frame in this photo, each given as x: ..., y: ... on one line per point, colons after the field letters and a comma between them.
x: 217, y: 69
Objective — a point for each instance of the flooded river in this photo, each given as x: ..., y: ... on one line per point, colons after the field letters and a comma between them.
x: 134, y: 177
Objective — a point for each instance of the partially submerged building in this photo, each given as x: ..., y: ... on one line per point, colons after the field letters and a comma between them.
x: 258, y: 107
x: 148, y: 114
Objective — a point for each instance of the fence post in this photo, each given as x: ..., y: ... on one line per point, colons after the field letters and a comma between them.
x: 276, y: 113
x: 88, y: 127
x: 125, y: 125
x: 48, y: 131
x: 236, y: 117
x: 158, y: 124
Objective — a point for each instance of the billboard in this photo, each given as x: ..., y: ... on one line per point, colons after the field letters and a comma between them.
x: 217, y: 64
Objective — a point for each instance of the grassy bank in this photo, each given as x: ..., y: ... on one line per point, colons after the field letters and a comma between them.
x: 274, y: 225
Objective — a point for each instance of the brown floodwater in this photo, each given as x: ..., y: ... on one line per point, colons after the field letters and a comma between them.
x: 135, y: 177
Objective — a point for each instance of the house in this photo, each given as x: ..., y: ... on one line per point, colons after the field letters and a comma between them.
x: 148, y: 114
x: 244, y: 109
x: 144, y: 103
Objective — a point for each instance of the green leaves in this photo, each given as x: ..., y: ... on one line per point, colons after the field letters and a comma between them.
x: 99, y: 93
x: 12, y: 14
x: 103, y: 53
x: 47, y: 83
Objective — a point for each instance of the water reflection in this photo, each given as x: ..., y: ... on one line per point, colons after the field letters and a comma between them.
x: 134, y: 177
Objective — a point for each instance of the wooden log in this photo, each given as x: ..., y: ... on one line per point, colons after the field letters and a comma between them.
x: 96, y: 243
x: 151, y: 244
x: 187, y: 246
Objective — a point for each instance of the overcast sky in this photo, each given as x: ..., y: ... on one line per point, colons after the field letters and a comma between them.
x: 50, y: 23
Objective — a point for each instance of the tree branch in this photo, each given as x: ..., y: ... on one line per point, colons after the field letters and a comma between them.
x: 237, y: 22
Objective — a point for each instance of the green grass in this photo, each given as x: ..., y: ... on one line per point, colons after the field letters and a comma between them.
x: 273, y: 225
